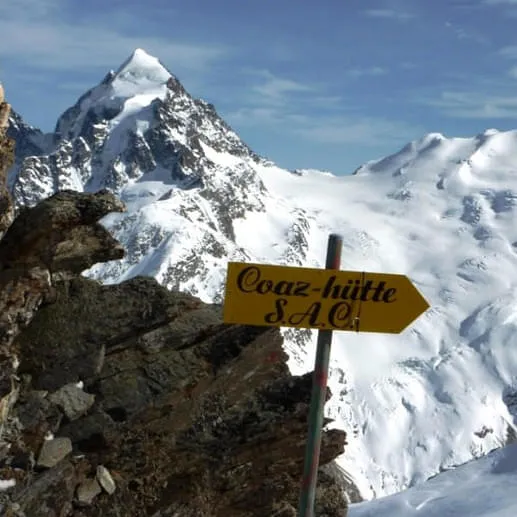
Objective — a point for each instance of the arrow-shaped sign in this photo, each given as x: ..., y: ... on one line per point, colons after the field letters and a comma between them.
x: 326, y: 299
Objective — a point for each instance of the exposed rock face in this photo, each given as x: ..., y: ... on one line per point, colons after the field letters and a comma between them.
x: 6, y: 160
x: 6, y: 217
x: 56, y: 239
x: 182, y: 415
x: 194, y: 417
x: 30, y: 141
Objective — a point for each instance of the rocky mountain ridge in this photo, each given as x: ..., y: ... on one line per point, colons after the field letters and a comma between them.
x: 142, y: 136
x: 132, y: 399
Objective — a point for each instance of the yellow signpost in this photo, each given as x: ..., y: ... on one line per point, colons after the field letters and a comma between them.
x: 280, y: 296
x: 323, y: 299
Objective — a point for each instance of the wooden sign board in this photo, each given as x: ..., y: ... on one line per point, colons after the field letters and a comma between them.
x: 325, y: 299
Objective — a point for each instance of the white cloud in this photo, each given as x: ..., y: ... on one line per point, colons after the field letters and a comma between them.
x: 513, y: 72
x: 465, y: 34
x: 327, y: 102
x: 253, y: 116
x: 274, y: 88
x: 472, y: 105
x: 325, y: 129
x: 30, y: 9
x: 367, y: 131
x: 509, y: 7
x: 509, y: 52
x: 41, y: 38
x: 288, y: 107
x: 275, y: 100
x: 367, y: 72
x: 391, y: 14
x: 272, y: 93
x: 500, y: 2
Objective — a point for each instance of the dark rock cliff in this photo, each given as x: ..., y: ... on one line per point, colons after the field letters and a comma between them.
x: 132, y: 400
x: 6, y: 160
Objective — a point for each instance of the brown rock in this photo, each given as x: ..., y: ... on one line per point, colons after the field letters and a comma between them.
x: 50, y: 494
x: 53, y: 451
x: 73, y: 401
x: 234, y: 446
x: 6, y: 160
x: 58, y: 237
x: 62, y: 234
x: 88, y: 490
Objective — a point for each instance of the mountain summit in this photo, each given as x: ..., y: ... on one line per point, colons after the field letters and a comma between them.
x: 141, y: 67
x: 142, y: 136
x: 138, y: 81
x: 441, y: 211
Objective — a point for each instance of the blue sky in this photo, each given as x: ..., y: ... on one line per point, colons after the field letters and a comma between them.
x: 327, y: 84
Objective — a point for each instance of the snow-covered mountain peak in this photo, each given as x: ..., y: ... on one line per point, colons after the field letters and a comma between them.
x: 141, y: 135
x: 139, y: 121
x: 139, y: 81
x: 447, y: 164
x: 395, y: 163
x: 141, y: 68
x: 491, y: 131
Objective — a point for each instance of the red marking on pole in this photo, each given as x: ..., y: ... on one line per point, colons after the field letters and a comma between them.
x: 307, y: 480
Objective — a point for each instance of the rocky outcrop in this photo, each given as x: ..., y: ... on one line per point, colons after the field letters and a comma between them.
x: 57, y: 238
x: 196, y: 417
x: 191, y: 417
x: 6, y: 160
x: 132, y: 400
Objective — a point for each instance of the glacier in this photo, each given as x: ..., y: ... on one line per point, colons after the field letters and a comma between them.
x: 481, y: 488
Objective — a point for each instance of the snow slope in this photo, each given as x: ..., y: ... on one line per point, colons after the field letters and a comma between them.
x: 482, y: 488
x: 441, y: 210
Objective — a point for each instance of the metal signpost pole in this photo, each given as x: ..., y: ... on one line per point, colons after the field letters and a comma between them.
x: 319, y: 390
x: 322, y: 299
